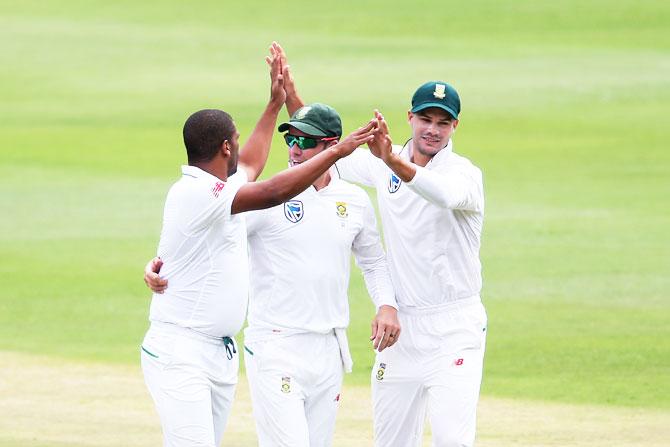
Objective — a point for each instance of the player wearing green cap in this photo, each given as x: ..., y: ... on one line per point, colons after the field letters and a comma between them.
x: 431, y: 202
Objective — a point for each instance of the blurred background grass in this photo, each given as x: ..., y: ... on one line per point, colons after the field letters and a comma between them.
x: 563, y: 109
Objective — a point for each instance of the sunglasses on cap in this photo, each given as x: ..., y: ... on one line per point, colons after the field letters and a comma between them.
x: 305, y: 142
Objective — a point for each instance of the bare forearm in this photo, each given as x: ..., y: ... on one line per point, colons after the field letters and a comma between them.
x: 285, y: 185
x: 402, y: 168
x: 255, y: 152
x: 293, y: 102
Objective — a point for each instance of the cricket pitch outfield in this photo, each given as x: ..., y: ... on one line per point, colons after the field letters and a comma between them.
x: 47, y: 402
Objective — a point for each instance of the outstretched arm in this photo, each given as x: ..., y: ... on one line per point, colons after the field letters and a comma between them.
x: 254, y: 154
x: 290, y: 182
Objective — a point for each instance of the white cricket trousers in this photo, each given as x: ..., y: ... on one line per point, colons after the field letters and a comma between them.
x: 435, y: 368
x: 191, y: 378
x: 295, y: 384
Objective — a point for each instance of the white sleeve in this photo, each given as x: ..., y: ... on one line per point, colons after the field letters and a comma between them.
x: 371, y: 259
x: 459, y: 187
x: 217, y: 201
x: 356, y: 167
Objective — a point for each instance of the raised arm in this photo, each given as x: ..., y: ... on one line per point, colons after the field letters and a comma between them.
x: 254, y: 154
x: 293, y: 100
x: 290, y: 182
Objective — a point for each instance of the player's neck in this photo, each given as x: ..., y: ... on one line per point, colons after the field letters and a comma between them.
x: 214, y: 167
x: 322, y: 181
x: 417, y: 157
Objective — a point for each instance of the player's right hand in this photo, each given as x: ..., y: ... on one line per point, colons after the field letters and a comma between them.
x: 381, y: 145
x: 274, y: 60
x: 151, y: 277
x: 360, y: 136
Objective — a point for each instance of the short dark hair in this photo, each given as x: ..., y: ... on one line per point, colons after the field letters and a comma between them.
x: 204, y: 133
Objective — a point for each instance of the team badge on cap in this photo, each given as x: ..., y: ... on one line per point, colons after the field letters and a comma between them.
x: 380, y: 371
x: 293, y: 210
x: 394, y: 183
x: 439, y: 91
x: 285, y: 384
x: 302, y: 113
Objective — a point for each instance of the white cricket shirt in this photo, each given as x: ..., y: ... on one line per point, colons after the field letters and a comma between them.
x: 300, y: 255
x: 204, y: 251
x: 432, y: 225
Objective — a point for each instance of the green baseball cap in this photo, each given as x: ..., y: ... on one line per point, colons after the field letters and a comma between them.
x: 319, y: 120
x: 437, y: 94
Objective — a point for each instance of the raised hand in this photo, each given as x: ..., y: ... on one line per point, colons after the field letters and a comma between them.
x: 360, y: 136
x: 293, y: 100
x: 274, y: 60
x: 381, y: 145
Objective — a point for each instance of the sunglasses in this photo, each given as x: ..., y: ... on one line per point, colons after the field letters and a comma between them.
x: 305, y: 142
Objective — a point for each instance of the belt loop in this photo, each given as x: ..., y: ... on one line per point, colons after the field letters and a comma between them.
x: 227, y: 343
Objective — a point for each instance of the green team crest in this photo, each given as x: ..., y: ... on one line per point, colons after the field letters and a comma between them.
x: 380, y: 371
x: 285, y: 384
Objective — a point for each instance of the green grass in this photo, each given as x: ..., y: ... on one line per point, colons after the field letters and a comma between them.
x: 563, y: 108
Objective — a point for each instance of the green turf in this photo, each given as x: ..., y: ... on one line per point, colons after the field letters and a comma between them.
x: 563, y: 108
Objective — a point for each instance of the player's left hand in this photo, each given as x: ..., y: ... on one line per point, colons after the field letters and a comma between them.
x: 385, y: 328
x: 151, y: 277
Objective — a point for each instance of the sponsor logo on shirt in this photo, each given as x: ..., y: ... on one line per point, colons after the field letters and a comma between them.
x: 394, y: 183
x: 341, y: 209
x: 380, y: 371
x: 458, y: 362
x: 285, y: 384
x: 293, y: 210
x: 218, y: 186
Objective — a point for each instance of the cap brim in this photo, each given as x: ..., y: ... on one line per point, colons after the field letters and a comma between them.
x: 303, y: 127
x: 428, y: 105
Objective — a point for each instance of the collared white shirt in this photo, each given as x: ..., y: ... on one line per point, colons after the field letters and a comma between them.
x: 300, y: 255
x: 432, y: 225
x: 204, y: 251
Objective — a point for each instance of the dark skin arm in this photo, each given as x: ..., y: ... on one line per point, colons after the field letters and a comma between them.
x: 254, y: 154
x: 290, y: 182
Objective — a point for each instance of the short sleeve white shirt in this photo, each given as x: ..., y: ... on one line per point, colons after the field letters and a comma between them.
x: 300, y: 255
x: 204, y: 251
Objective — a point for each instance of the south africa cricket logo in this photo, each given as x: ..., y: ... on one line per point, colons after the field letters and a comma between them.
x: 285, y: 384
x: 380, y: 371
x: 394, y: 183
x: 341, y: 209
x: 293, y: 210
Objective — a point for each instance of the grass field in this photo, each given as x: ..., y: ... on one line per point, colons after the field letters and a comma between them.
x: 563, y: 109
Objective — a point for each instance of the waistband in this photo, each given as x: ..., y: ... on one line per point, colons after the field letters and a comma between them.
x: 171, y: 328
x: 440, y: 308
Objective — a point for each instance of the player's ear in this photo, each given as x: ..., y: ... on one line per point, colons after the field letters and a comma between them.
x: 225, y: 148
x: 455, y: 125
x: 409, y: 115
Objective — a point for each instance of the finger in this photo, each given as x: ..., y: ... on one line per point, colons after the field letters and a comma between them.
x: 373, y: 333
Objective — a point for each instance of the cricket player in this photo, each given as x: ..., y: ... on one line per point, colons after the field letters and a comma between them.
x: 431, y: 202
x: 295, y: 344
x: 189, y: 358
